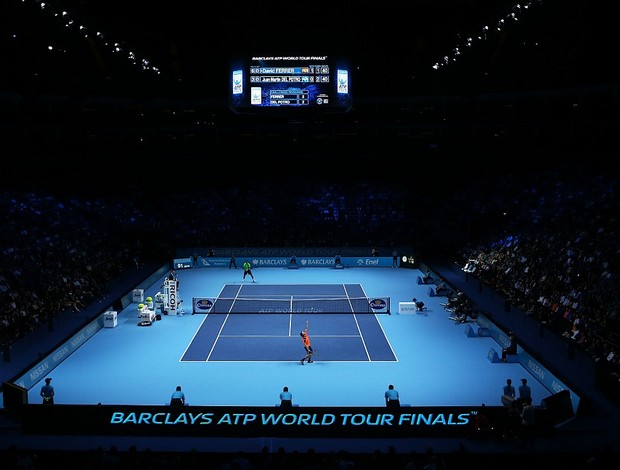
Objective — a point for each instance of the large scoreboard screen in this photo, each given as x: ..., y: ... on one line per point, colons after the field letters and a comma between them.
x: 289, y: 83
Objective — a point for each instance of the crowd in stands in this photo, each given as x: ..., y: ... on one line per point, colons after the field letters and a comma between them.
x: 58, y: 253
x: 60, y: 249
x: 557, y: 260
x: 280, y: 459
x: 546, y: 241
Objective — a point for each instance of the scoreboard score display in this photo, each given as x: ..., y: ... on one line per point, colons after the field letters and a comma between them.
x: 182, y: 263
x: 290, y: 83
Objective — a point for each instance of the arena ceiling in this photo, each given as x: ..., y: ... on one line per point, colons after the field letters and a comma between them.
x: 395, y: 47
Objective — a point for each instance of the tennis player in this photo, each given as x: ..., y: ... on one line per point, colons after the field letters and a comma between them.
x: 247, y: 269
x: 305, y: 339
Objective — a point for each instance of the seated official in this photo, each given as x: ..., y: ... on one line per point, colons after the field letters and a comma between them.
x: 286, y: 398
x: 392, y: 399
x: 178, y: 397
x: 511, y: 349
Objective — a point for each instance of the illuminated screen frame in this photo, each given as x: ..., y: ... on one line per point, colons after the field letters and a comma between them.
x: 290, y: 84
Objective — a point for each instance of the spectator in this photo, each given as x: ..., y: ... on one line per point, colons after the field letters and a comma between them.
x: 528, y: 423
x: 482, y: 424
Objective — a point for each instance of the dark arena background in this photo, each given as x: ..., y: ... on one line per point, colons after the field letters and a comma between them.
x: 410, y: 180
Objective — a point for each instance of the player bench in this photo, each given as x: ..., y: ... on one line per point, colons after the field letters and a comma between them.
x: 480, y: 332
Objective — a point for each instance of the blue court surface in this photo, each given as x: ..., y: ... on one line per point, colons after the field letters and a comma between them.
x: 244, y: 359
x: 273, y: 335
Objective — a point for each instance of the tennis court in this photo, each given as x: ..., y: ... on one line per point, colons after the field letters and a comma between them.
x: 437, y: 365
x: 429, y: 359
x: 340, y: 320
x: 285, y: 298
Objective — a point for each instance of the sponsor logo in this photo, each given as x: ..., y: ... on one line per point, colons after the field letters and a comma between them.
x: 204, y: 304
x: 271, y: 262
x: 378, y: 304
x: 320, y: 262
x: 120, y: 418
x: 172, y: 296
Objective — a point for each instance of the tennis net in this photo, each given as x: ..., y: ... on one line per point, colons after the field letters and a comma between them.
x: 292, y: 305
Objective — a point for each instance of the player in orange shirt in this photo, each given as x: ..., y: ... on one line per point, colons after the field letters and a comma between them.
x: 308, y: 348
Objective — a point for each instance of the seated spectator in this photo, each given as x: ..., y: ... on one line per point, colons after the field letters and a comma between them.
x: 470, y: 266
x: 454, y: 300
x: 482, y: 424
x: 461, y: 315
x: 575, y: 331
x: 611, y: 357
